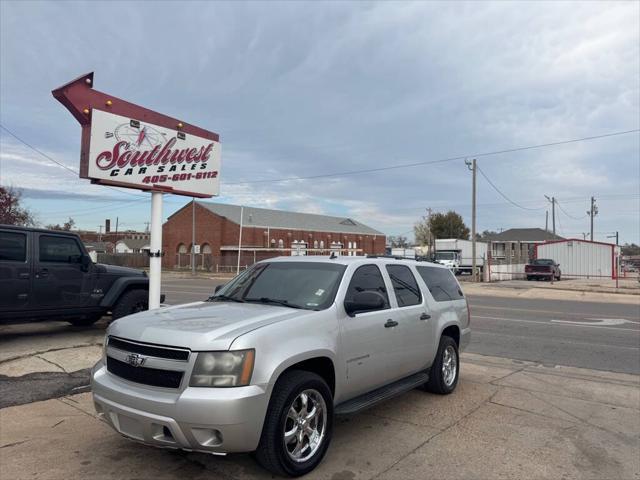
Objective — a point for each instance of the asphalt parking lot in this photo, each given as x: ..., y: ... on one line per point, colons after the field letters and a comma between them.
x: 519, y: 410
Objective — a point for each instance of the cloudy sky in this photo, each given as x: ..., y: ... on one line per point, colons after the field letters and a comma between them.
x: 304, y: 89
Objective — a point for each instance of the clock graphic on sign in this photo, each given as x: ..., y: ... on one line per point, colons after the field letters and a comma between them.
x: 138, y: 136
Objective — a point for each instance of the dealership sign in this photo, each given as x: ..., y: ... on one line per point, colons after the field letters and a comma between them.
x: 136, y: 153
x: 127, y: 145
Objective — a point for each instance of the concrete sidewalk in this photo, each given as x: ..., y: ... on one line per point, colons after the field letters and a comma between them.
x: 540, y: 290
x: 507, y: 419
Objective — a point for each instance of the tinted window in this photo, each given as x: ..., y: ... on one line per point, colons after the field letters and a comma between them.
x: 405, y: 285
x: 367, y: 279
x: 441, y: 283
x: 13, y: 247
x: 310, y: 285
x: 59, y: 249
x: 543, y: 261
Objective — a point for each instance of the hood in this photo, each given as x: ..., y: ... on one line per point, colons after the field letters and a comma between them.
x: 119, y: 271
x: 201, y: 325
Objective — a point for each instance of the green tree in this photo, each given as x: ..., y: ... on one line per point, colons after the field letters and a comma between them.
x: 11, y: 210
x: 398, y: 241
x: 630, y: 249
x: 448, y: 225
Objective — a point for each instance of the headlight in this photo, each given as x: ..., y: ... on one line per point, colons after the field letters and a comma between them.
x: 223, y: 369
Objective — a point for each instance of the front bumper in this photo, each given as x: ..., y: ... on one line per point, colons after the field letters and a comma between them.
x: 210, y: 420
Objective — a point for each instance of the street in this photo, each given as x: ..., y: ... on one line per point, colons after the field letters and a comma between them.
x: 596, y: 335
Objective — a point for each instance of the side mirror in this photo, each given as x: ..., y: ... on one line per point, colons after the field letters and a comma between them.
x: 364, y: 302
x: 217, y: 289
x: 85, y: 261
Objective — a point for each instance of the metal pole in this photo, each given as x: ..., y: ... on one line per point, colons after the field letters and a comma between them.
x: 546, y: 221
x: 193, y: 236
x: 474, y: 276
x: 593, y: 201
x: 553, y: 213
x: 155, y: 252
x: 240, y: 239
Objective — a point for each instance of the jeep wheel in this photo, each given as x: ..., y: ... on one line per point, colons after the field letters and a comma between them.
x: 130, y: 302
x: 298, y: 425
x: 443, y: 377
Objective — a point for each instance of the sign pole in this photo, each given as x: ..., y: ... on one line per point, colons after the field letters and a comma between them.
x: 155, y: 253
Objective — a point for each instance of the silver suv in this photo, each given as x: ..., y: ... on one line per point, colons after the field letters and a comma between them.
x: 266, y: 362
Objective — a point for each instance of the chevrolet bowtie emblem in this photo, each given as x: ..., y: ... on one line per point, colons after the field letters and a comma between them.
x: 135, y: 360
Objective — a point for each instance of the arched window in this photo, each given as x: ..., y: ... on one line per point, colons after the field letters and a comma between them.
x: 321, y: 243
x: 315, y: 244
x: 206, y: 249
x: 280, y: 243
x: 354, y: 248
x: 182, y: 248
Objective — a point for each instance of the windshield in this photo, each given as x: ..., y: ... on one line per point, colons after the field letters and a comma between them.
x: 543, y: 261
x: 307, y: 285
x: 445, y: 256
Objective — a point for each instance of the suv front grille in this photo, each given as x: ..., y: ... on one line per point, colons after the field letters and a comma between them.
x: 147, y: 376
x: 148, y: 364
x: 150, y: 350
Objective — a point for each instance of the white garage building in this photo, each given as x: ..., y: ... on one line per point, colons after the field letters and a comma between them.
x: 582, y: 258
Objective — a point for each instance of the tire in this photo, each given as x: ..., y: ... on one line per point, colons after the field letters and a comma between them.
x: 85, y: 321
x: 273, y: 452
x: 130, y: 302
x: 438, y: 382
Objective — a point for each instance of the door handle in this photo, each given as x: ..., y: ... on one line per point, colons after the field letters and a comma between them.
x: 390, y: 323
x: 425, y: 316
x: 42, y: 273
x: 24, y: 275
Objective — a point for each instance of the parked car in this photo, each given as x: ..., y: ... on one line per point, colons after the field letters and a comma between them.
x: 265, y: 363
x: 542, y: 269
x: 48, y: 274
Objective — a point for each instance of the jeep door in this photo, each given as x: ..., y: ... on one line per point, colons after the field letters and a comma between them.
x: 59, y: 280
x: 15, y: 270
x: 414, y: 314
x: 369, y: 339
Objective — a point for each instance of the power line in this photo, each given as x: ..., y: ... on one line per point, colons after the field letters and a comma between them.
x: 430, y: 162
x: 75, y: 173
x: 568, y: 214
x: 503, y: 195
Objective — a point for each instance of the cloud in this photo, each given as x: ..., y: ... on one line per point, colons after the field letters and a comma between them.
x: 300, y: 89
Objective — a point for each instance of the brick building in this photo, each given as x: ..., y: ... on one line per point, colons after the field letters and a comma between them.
x: 265, y: 233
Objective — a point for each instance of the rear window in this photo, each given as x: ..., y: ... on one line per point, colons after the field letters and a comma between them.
x: 404, y: 285
x: 13, y: 247
x: 441, y: 283
x: 543, y: 261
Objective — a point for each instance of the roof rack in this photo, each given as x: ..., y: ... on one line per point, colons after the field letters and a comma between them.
x: 398, y: 257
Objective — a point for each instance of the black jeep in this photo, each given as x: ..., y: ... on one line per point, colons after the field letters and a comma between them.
x: 48, y: 275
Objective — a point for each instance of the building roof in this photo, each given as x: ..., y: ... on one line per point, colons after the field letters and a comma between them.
x: 100, y: 246
x: 264, y: 217
x: 524, y: 235
x: 134, y: 243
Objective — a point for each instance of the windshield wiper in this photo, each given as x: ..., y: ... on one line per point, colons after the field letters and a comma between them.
x: 221, y: 298
x: 274, y: 301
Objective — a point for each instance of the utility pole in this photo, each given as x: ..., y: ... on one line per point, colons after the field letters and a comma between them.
x: 430, y: 239
x: 473, y: 167
x: 100, y: 233
x: 240, y: 239
x: 592, y: 213
x: 546, y: 221
x: 193, y: 236
x: 553, y: 211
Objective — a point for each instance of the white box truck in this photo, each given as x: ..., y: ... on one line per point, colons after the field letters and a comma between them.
x: 457, y: 255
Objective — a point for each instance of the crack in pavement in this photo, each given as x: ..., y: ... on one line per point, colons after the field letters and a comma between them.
x: 52, y: 363
x: 36, y: 353
x: 14, y: 444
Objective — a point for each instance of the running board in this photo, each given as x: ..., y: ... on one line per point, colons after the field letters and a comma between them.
x: 379, y: 395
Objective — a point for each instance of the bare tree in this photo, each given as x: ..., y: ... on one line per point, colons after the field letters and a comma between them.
x: 11, y: 210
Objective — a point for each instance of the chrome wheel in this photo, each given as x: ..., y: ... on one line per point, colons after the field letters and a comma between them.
x: 305, y: 426
x: 449, y: 365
